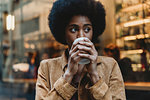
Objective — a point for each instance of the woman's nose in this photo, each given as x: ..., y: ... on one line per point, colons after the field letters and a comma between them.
x: 81, y: 34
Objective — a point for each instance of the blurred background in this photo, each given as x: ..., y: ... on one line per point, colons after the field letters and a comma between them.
x: 25, y: 40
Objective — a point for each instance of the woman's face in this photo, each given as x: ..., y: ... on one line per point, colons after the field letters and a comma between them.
x: 79, y: 26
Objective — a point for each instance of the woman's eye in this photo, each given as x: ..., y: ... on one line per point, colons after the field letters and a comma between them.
x: 87, y: 29
x: 73, y: 30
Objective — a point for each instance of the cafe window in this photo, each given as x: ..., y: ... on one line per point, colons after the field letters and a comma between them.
x: 30, y: 26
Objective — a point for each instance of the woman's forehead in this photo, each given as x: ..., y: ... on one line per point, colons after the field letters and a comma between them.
x: 80, y: 19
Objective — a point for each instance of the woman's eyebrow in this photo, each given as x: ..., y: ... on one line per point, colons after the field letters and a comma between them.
x: 87, y: 24
x: 72, y: 25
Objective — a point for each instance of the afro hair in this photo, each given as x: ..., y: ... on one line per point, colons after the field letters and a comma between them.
x: 63, y: 10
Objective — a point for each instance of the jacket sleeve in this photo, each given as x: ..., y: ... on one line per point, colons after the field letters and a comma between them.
x: 61, y: 91
x: 115, y: 90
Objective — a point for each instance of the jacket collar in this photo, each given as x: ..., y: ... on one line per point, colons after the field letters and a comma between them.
x: 64, y: 59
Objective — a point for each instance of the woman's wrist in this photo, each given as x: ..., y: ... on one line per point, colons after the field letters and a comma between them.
x: 94, y: 77
x: 68, y: 77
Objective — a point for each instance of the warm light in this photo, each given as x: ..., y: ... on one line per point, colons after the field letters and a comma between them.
x: 32, y: 46
x: 130, y: 38
x: 134, y: 51
x: 137, y: 7
x: 10, y: 22
x: 24, y: 67
x: 141, y: 36
x: 147, y: 35
x: 137, y: 22
x: 26, y: 45
x: 136, y: 67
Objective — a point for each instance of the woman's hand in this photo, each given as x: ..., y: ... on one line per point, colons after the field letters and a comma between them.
x: 73, y: 67
x: 92, y: 54
x: 79, y: 50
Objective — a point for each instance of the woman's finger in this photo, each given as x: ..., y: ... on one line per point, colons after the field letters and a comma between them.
x: 74, y: 56
x: 73, y: 50
x: 75, y: 43
x: 85, y: 48
x: 85, y: 56
x: 90, y: 57
x: 88, y: 44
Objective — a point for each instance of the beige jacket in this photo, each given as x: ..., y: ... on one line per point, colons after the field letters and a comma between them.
x: 51, y: 85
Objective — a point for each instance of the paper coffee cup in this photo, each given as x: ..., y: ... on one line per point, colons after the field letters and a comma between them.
x: 83, y: 60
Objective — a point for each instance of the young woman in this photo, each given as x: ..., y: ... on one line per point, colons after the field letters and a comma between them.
x: 64, y: 78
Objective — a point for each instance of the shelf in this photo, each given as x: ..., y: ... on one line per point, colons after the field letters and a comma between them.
x: 137, y: 51
x: 135, y: 37
x: 131, y: 22
x: 137, y: 7
x: 140, y: 86
x: 135, y: 22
